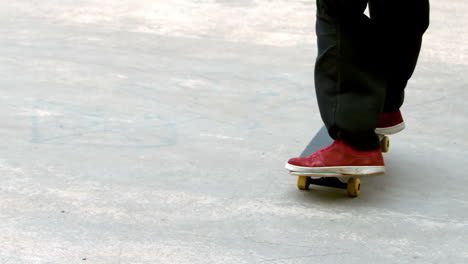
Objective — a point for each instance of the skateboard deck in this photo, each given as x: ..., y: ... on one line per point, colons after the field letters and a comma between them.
x: 349, y: 182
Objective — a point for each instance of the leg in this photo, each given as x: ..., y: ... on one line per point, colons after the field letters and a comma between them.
x: 350, y: 92
x: 400, y: 26
x: 350, y: 89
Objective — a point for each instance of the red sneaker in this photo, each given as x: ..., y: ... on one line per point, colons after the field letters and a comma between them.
x: 339, y: 158
x: 390, y: 123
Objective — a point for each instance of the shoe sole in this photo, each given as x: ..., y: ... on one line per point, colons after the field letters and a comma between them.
x: 390, y: 130
x: 346, y: 170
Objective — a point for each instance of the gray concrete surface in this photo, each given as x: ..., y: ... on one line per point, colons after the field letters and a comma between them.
x: 140, y: 131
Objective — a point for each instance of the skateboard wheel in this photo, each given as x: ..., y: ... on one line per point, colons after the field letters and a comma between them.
x: 303, y: 182
x: 384, y: 144
x: 354, y: 187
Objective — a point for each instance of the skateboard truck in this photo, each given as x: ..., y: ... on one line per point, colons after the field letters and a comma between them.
x: 352, y: 186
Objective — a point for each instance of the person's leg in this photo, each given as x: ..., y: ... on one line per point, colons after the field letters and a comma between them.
x: 400, y: 25
x: 350, y: 92
x: 350, y: 89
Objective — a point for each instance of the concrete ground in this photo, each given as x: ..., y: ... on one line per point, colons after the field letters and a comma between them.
x: 141, y: 131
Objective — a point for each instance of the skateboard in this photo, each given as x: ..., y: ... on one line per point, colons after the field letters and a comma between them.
x: 349, y: 182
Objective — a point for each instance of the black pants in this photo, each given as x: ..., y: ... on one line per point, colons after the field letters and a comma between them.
x: 364, y: 64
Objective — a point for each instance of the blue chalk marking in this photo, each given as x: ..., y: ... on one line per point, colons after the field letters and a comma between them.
x: 36, y: 137
x: 95, y: 120
x: 35, y: 130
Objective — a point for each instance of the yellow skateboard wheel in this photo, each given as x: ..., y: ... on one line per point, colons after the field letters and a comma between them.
x: 354, y: 187
x: 303, y: 182
x: 384, y: 144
